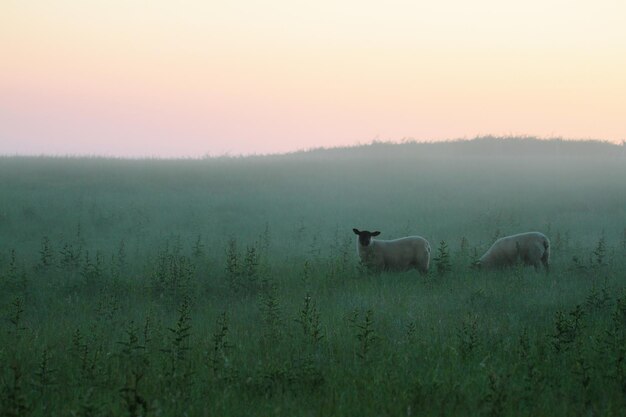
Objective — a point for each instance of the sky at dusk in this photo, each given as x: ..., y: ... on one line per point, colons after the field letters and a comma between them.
x: 193, y: 78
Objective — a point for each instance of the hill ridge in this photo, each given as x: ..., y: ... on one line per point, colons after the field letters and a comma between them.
x: 483, y: 146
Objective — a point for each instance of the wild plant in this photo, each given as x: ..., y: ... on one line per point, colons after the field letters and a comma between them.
x: 180, y: 334
x: 219, y: 344
x: 566, y: 328
x: 600, y: 251
x: 198, y: 248
x: 309, y: 320
x: 273, y: 377
x: 497, y: 395
x: 173, y: 272
x: 243, y: 273
x: 84, y: 356
x: 108, y: 304
x: 175, y: 244
x: 411, y: 332
x: 598, y: 299
x: 475, y: 255
x: 178, y: 349
x: 619, y: 315
x: 340, y: 251
x: 264, y: 241
x: 464, y: 245
x: 71, y: 253
x: 13, y: 400
x: 270, y: 310
x: 579, y: 265
x: 88, y: 406
x: 147, y: 329
x: 566, y: 240
x: 523, y: 343
x: 306, y: 274
x: 119, y: 261
x: 16, y: 317
x: 531, y: 376
x: 582, y: 370
x: 364, y: 333
x: 80, y: 241
x: 442, y: 259
x: 92, y: 271
x: 250, y: 268
x: 615, y: 341
x: 134, y: 402
x: 561, y: 240
x: 121, y: 255
x: 45, y: 373
x: 46, y: 253
x: 78, y: 344
x: 12, y: 269
x: 467, y: 335
x: 344, y: 255
x: 233, y: 268
x: 132, y: 352
x: 558, y: 241
x: 69, y: 257
x: 303, y: 374
x: 135, y: 361
x: 314, y: 251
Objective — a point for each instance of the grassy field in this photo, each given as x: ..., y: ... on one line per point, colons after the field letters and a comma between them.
x: 231, y: 286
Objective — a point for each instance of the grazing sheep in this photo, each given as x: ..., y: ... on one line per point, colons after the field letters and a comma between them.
x: 531, y: 248
x: 393, y: 255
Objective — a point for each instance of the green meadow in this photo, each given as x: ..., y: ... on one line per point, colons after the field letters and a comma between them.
x: 231, y: 286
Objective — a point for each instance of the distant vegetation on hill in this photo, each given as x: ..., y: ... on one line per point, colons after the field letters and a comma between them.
x: 488, y: 146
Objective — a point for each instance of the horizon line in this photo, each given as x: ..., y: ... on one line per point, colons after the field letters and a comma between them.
x: 373, y: 142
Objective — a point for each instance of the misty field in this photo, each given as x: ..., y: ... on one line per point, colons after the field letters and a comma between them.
x: 231, y: 286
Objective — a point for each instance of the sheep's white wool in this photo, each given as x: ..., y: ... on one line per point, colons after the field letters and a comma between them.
x: 531, y: 248
x: 396, y: 255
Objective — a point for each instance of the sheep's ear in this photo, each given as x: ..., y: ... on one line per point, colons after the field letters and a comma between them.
x: 375, y: 233
x: 356, y: 231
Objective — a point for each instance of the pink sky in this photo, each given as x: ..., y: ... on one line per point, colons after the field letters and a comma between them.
x: 156, y: 78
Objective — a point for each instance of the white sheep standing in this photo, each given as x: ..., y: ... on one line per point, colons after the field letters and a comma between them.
x: 393, y: 255
x: 530, y: 248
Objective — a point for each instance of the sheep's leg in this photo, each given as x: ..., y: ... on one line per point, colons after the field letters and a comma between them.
x: 534, y: 257
x: 545, y: 260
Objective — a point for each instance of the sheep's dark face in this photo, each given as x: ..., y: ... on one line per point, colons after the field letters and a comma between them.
x: 365, y: 237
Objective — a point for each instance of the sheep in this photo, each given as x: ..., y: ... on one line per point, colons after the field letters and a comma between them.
x: 531, y: 248
x: 393, y: 255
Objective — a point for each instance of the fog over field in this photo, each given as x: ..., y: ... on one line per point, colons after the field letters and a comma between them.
x: 232, y: 286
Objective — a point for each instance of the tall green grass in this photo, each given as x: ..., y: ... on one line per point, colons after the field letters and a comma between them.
x: 231, y: 286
